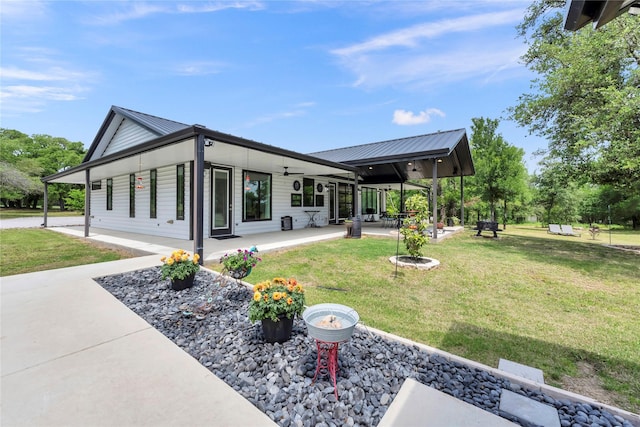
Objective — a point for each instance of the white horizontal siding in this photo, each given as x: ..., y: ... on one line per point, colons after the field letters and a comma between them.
x: 165, y: 224
x: 282, y: 187
x: 129, y: 134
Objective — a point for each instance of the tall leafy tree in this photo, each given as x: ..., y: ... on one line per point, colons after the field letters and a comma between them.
x: 35, y: 157
x: 500, y: 172
x: 586, y: 100
x: 557, y: 196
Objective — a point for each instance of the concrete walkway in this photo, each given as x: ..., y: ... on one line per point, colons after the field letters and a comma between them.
x: 73, y: 355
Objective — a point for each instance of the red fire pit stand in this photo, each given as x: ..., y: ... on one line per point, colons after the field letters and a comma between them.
x: 327, y: 363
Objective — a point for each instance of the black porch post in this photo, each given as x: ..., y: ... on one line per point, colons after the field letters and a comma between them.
x: 461, y: 199
x: 434, y: 198
x: 46, y: 203
x: 87, y: 201
x: 198, y: 197
x: 356, y: 198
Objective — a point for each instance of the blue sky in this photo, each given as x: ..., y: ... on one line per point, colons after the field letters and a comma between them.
x: 302, y: 75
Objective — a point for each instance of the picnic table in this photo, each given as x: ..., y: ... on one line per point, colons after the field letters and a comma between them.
x: 487, y: 226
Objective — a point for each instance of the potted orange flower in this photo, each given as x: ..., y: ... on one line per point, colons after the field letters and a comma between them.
x: 275, y: 303
x: 181, y: 268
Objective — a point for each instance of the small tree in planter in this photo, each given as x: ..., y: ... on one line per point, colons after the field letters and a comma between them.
x: 414, y: 227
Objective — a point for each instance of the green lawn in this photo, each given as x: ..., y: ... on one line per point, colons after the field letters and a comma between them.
x: 546, y: 301
x: 6, y: 213
x: 32, y: 249
x: 530, y: 297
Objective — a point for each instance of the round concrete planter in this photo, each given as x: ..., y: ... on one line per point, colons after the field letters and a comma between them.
x: 422, y: 263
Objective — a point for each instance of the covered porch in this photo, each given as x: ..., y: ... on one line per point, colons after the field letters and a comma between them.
x: 213, y: 248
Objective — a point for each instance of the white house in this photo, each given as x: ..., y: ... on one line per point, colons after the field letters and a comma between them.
x: 150, y: 175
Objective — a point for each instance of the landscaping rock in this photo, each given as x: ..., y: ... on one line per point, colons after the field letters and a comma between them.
x: 277, y: 378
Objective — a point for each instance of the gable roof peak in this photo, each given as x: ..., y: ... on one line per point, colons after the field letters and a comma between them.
x: 156, y: 124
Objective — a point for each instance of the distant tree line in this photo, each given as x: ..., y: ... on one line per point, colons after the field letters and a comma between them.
x: 24, y: 160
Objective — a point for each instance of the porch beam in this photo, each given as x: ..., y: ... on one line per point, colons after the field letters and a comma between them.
x: 198, y: 197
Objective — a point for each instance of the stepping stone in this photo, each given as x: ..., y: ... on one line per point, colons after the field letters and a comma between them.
x: 529, y: 410
x: 524, y: 371
x: 419, y: 405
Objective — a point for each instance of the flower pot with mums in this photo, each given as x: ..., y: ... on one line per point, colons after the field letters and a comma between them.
x: 276, y: 303
x: 181, y: 268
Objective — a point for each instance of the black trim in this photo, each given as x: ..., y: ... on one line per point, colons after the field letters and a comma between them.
x: 192, y: 132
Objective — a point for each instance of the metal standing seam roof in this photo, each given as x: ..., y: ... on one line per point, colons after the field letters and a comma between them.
x: 440, y: 143
x: 153, y: 123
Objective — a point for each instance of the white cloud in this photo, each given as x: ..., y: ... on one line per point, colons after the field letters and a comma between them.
x: 41, y: 92
x: 299, y: 109
x: 220, y: 5
x: 31, y: 87
x: 199, y: 68
x: 137, y: 10
x: 450, y: 50
x: 23, y: 10
x: 51, y: 74
x: 403, y: 117
x: 409, y: 37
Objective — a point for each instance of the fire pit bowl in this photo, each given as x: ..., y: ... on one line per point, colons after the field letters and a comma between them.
x: 330, y: 322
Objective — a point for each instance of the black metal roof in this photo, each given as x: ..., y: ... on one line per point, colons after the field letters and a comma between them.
x: 581, y: 12
x: 153, y: 123
x: 386, y: 162
x: 413, y: 157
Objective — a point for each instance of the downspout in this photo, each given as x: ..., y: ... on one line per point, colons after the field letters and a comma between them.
x: 434, y: 198
x: 46, y: 203
x: 198, y: 197
x: 87, y: 201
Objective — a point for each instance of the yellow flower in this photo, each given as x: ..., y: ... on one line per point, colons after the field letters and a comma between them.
x: 265, y: 297
x: 163, y: 258
x: 276, y: 296
x: 280, y: 280
x: 170, y: 261
x: 290, y: 287
x: 184, y: 257
x: 289, y: 301
x: 196, y: 257
x: 298, y: 288
x: 257, y: 296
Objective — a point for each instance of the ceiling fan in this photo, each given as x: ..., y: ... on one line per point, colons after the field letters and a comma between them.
x: 287, y: 173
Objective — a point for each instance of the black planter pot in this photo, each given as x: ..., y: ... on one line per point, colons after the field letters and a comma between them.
x: 180, y: 284
x: 277, y: 331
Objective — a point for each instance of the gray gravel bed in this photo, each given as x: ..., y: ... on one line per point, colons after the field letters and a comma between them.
x: 210, y: 322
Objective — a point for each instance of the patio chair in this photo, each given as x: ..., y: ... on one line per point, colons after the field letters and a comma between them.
x: 554, y: 229
x: 567, y: 230
x: 388, y: 220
